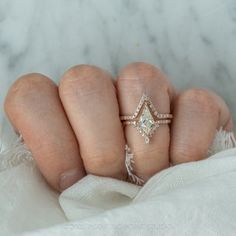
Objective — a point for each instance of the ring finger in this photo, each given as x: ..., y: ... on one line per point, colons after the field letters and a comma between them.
x: 133, y: 81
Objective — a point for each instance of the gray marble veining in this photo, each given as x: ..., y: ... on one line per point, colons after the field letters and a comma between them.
x: 192, y: 41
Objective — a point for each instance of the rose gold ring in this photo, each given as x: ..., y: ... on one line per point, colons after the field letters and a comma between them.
x: 146, y: 118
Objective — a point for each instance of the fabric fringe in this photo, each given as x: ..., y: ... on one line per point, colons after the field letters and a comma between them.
x: 15, y: 154
x: 129, y: 162
x: 223, y: 140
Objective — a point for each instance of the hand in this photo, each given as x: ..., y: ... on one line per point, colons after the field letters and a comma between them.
x: 74, y: 129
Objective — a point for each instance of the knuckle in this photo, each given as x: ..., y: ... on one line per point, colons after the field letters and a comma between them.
x: 198, y: 99
x: 100, y: 162
x: 139, y: 71
x: 80, y: 70
x: 138, y: 66
x: 160, y: 150
x: 183, y: 154
x: 83, y: 79
x: 26, y: 87
x: 139, y: 74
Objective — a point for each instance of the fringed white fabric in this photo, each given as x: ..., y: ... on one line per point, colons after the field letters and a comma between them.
x: 129, y: 162
x: 195, y: 198
x: 223, y: 140
x: 15, y: 154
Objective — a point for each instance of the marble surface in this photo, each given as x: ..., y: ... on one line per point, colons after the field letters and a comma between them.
x: 192, y: 41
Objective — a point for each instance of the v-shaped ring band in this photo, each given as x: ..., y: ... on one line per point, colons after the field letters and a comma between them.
x: 146, y: 118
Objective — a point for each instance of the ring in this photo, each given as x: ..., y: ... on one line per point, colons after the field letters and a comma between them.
x: 146, y: 118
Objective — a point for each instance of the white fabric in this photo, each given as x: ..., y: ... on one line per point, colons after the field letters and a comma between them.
x: 197, y: 198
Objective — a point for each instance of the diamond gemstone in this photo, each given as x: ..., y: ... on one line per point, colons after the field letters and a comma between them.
x: 146, y: 121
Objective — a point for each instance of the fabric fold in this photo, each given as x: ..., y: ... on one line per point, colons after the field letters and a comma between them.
x: 195, y: 198
x: 94, y: 195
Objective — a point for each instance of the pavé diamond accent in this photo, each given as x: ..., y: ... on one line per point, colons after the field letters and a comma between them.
x: 146, y: 118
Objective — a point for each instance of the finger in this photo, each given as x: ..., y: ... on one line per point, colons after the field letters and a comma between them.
x: 89, y: 98
x: 197, y: 115
x: 34, y: 108
x: 133, y: 81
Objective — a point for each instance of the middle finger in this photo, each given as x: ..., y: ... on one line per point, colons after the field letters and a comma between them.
x: 89, y: 98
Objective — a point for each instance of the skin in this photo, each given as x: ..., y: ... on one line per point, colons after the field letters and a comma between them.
x: 134, y: 80
x: 74, y: 129
x: 35, y: 110
x: 89, y: 98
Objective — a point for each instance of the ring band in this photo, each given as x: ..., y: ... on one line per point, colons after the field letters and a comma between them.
x: 146, y: 118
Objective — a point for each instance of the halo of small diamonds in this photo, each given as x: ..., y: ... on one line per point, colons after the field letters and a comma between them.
x: 146, y: 118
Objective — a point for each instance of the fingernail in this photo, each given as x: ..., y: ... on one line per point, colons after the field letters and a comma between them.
x: 69, y: 178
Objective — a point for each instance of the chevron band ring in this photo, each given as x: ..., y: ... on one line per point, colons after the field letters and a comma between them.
x: 146, y: 118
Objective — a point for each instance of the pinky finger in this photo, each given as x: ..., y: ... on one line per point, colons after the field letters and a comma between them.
x: 198, y: 114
